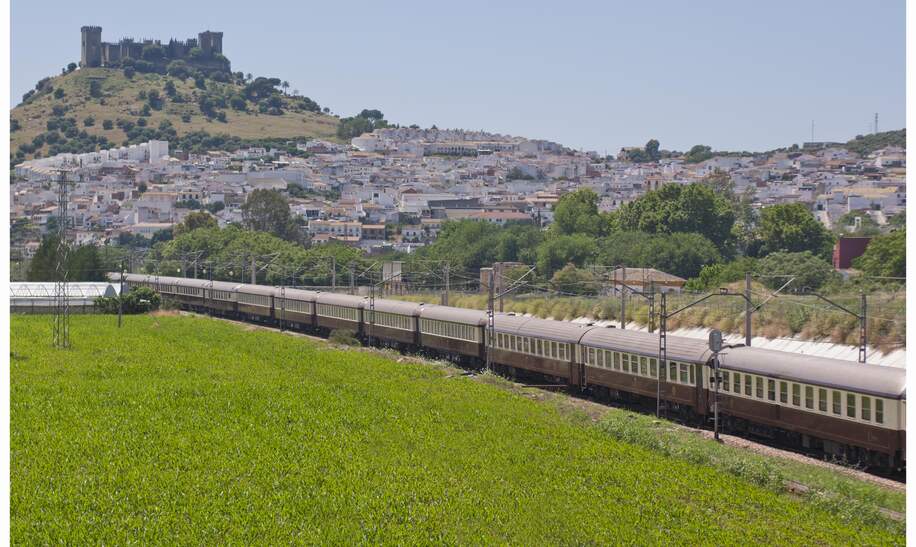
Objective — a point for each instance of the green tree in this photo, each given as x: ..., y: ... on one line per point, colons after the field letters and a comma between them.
x: 194, y: 221
x: 170, y: 88
x: 698, y: 153
x: 557, y: 251
x: 809, y: 270
x: 676, y: 208
x: 83, y: 263
x: 885, y: 255
x: 572, y: 280
x: 577, y: 213
x: 792, y: 228
x: 466, y: 245
x: 680, y: 254
x: 651, y: 150
x: 845, y: 225
x: 268, y: 211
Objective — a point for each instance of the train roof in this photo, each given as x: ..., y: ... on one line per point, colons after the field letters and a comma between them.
x: 643, y: 343
x: 873, y: 380
x: 347, y: 300
x: 396, y: 306
x: 559, y: 331
x: 258, y: 289
x: 299, y: 294
x: 455, y: 315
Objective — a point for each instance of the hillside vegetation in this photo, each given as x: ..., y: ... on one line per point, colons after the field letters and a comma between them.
x: 184, y: 430
x: 80, y: 112
x: 866, y: 144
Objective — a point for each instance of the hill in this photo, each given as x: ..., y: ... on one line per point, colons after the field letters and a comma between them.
x: 96, y: 107
x: 185, y: 428
x: 866, y: 144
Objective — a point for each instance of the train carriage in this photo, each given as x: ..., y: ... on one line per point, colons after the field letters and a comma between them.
x: 538, y: 345
x: 838, y: 403
x: 453, y: 331
x: 295, y: 306
x: 340, y: 312
x: 256, y: 301
x: 627, y: 361
x: 392, y: 321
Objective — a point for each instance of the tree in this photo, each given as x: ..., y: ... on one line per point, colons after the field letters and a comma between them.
x: 284, y: 85
x: 59, y: 93
x: 268, y: 211
x: 572, y: 280
x: 651, y: 150
x: 71, y: 67
x: 83, y: 263
x: 846, y: 224
x: 792, y: 228
x: 555, y: 252
x: 467, y: 245
x: 577, y: 213
x: 809, y: 270
x: 194, y: 221
x: 95, y: 89
x: 169, y: 88
x: 680, y: 254
x: 885, y: 255
x: 675, y: 208
x: 88, y: 121
x: 698, y: 153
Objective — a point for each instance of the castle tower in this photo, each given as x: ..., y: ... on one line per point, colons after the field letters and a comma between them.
x: 210, y: 42
x: 91, y: 46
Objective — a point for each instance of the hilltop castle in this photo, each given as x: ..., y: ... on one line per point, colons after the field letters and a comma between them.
x: 206, y: 50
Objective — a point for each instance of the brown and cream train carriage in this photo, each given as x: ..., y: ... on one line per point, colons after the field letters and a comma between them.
x: 456, y: 332
x: 392, y: 322
x: 539, y: 346
x: 339, y: 312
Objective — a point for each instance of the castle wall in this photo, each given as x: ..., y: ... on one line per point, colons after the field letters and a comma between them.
x: 94, y: 52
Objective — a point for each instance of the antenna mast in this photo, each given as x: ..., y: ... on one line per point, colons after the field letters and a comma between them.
x: 61, y: 269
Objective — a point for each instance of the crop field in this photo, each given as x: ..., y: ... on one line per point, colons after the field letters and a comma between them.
x: 178, y: 429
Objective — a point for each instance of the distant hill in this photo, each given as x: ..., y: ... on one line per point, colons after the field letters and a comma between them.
x: 866, y: 144
x: 92, y: 108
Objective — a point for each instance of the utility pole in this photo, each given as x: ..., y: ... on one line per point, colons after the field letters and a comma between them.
x: 623, y: 297
x: 747, y: 309
x: 121, y: 296
x: 652, y: 306
x: 715, y: 346
x: 62, y: 273
x: 863, y: 328
x: 254, y: 271
x: 352, y: 269
x: 333, y: 273
x: 662, y: 353
x: 491, y: 320
x: 445, y: 294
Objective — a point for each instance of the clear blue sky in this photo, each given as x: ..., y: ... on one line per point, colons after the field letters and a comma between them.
x: 593, y: 75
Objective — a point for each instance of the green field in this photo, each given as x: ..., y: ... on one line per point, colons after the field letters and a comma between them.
x: 190, y: 430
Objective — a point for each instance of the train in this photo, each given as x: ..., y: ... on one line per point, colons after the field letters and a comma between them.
x: 849, y: 411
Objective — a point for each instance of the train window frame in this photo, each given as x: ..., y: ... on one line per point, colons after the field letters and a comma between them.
x: 879, y: 411
x: 758, y: 387
x: 653, y: 367
x: 590, y: 356
x: 539, y: 347
x: 512, y: 343
x: 822, y: 400
x: 809, y: 397
x: 865, y: 408
x: 672, y: 371
x: 643, y: 366
x: 748, y: 385
x: 725, y: 380
x: 616, y: 360
x: 784, y: 392
x: 850, y: 405
x: 691, y: 371
x: 837, y: 403
x: 736, y: 383
x: 683, y: 375
x: 626, y: 362
x: 771, y: 390
x: 796, y: 394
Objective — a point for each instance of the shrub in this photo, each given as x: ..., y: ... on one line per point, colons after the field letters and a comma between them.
x: 107, y: 124
x: 137, y: 300
x: 343, y: 337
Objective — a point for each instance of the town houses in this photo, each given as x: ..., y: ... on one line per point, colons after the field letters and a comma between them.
x: 394, y: 188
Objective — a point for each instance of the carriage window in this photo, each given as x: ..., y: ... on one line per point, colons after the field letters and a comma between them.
x: 563, y: 351
x: 591, y: 356
x: 850, y: 405
x: 684, y: 377
x: 879, y: 411
x: 672, y: 371
x: 748, y: 380
x: 796, y: 394
x: 643, y: 369
x: 626, y: 362
x: 540, y: 346
x: 690, y: 369
x: 736, y: 386
x: 653, y: 368
x: 809, y: 397
x: 726, y: 386
x: 512, y: 343
x: 758, y: 385
x: 783, y: 392
x: 600, y: 358
x: 866, y: 408
x: 616, y: 361
x: 837, y: 403
x: 554, y: 350
x: 822, y: 400
x: 771, y: 390
x: 525, y: 343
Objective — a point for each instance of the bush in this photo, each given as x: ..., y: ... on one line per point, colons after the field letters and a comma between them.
x: 58, y: 93
x: 137, y: 300
x: 107, y: 124
x: 343, y: 337
x: 89, y: 121
x: 129, y: 72
x: 810, y: 271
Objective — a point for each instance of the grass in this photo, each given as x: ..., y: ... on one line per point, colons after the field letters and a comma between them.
x: 121, y: 101
x: 190, y: 430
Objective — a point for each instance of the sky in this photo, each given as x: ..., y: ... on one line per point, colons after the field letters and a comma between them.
x: 590, y: 75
